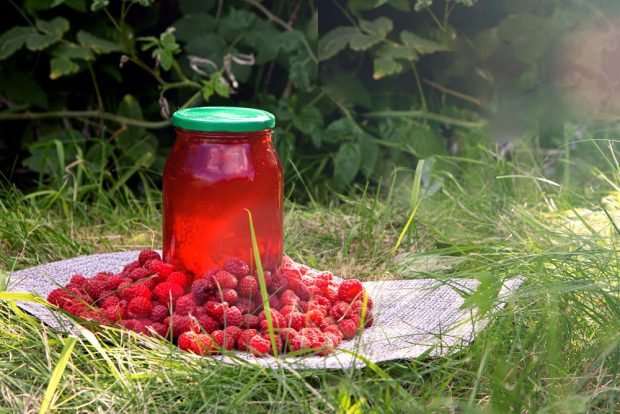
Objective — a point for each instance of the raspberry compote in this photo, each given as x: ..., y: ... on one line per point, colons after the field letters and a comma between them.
x: 219, y: 168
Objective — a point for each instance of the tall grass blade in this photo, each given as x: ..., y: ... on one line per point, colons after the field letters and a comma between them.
x: 52, y: 386
x: 414, y: 203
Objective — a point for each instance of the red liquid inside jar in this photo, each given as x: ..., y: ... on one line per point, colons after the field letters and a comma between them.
x: 210, y: 180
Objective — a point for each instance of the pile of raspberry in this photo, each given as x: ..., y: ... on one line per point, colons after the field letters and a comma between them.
x: 222, y: 309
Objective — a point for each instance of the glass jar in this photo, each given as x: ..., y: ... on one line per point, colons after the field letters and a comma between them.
x: 222, y: 164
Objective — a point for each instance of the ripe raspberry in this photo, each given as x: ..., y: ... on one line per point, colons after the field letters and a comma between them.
x: 314, y: 317
x: 293, y: 278
x: 159, y: 313
x: 113, y: 282
x: 201, y: 289
x: 208, y: 324
x: 168, y: 292
x: 60, y: 297
x: 296, y: 320
x: 114, y: 313
x: 131, y: 266
x: 77, y: 280
x: 289, y: 298
x: 322, y: 279
x: 139, y: 308
x: 228, y: 295
x: 231, y: 317
x: 185, y: 305
x: 259, y: 346
x: 328, y: 320
x: 349, y: 290
x: 222, y: 340
x: 95, y: 288
x: 140, y: 325
x: 244, y: 338
x: 250, y: 321
x: 225, y: 280
x: 237, y: 267
x: 159, y: 329
x: 348, y: 328
x: 299, y: 342
x: 233, y: 332
x: 275, y: 303
x: 340, y: 310
x: 146, y: 255
x: 248, y: 287
x: 303, y: 292
x: 334, y: 330
x: 179, y: 278
x: 157, y: 267
x: 276, y: 339
x: 287, y: 334
x: 109, y: 301
x: 185, y: 340
x: 182, y: 324
x: 277, y: 320
x: 331, y: 293
x: 244, y: 305
x: 214, y: 309
x: 133, y: 290
x: 278, y: 284
x: 322, y: 301
x: 138, y: 274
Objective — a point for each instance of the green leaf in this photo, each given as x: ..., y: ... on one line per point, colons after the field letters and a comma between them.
x: 402, y: 5
x: 385, y: 66
x: 14, y: 39
x: 137, y: 148
x: 61, y: 66
x: 99, y: 4
x: 380, y: 26
x: 221, y: 88
x: 421, y: 45
x: 369, y: 153
x: 208, y: 90
x: 302, y: 71
x: 57, y: 26
x: 191, y: 26
x: 347, y: 163
x: 364, y: 42
x: 72, y: 51
x: 335, y: 41
x: 309, y: 120
x: 341, y: 130
x: 39, y: 41
x: 97, y: 44
x: 347, y: 87
x: 21, y: 87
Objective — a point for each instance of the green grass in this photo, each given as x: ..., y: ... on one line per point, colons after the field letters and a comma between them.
x: 554, y: 348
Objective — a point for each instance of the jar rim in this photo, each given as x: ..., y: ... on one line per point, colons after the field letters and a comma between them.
x: 223, y: 119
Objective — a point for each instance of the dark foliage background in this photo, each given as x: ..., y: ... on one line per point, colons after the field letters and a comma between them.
x: 359, y: 87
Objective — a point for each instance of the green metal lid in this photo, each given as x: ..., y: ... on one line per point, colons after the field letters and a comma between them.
x: 223, y: 119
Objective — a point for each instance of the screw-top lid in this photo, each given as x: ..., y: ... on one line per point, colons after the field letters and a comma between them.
x: 223, y: 119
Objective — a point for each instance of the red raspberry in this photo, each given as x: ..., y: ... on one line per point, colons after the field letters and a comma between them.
x: 182, y: 324
x: 138, y: 274
x: 276, y: 339
x: 222, y: 340
x: 201, y: 289
x: 369, y: 320
x: 77, y: 280
x: 296, y: 320
x: 244, y: 338
x: 157, y: 267
x: 314, y: 317
x: 168, y: 292
x: 228, y: 295
x: 231, y: 317
x: 139, y: 308
x: 128, y: 323
x: 131, y: 266
x: 293, y: 278
x: 140, y: 326
x: 214, y: 309
x: 299, y: 342
x: 322, y: 301
x: 277, y: 320
x: 185, y: 340
x: 289, y: 298
x: 287, y: 334
x: 179, y: 278
x: 185, y: 305
x: 331, y: 293
x: 322, y: 279
x: 237, y: 267
x: 208, y: 324
x: 248, y: 287
x: 334, y: 330
x: 233, y: 332
x: 348, y: 328
x: 159, y: 329
x: 274, y: 303
x: 109, y: 301
x: 244, y: 305
x: 159, y: 313
x: 340, y: 310
x: 328, y: 320
x: 95, y: 288
x: 278, y: 284
x: 113, y: 282
x: 133, y: 290
x: 146, y: 255
x: 250, y: 321
x: 225, y: 280
x: 114, y: 312
x: 60, y: 297
x: 286, y: 310
x: 303, y: 292
x: 259, y: 346
x: 349, y: 290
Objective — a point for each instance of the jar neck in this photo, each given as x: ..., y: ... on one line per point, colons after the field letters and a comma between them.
x: 223, y: 137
